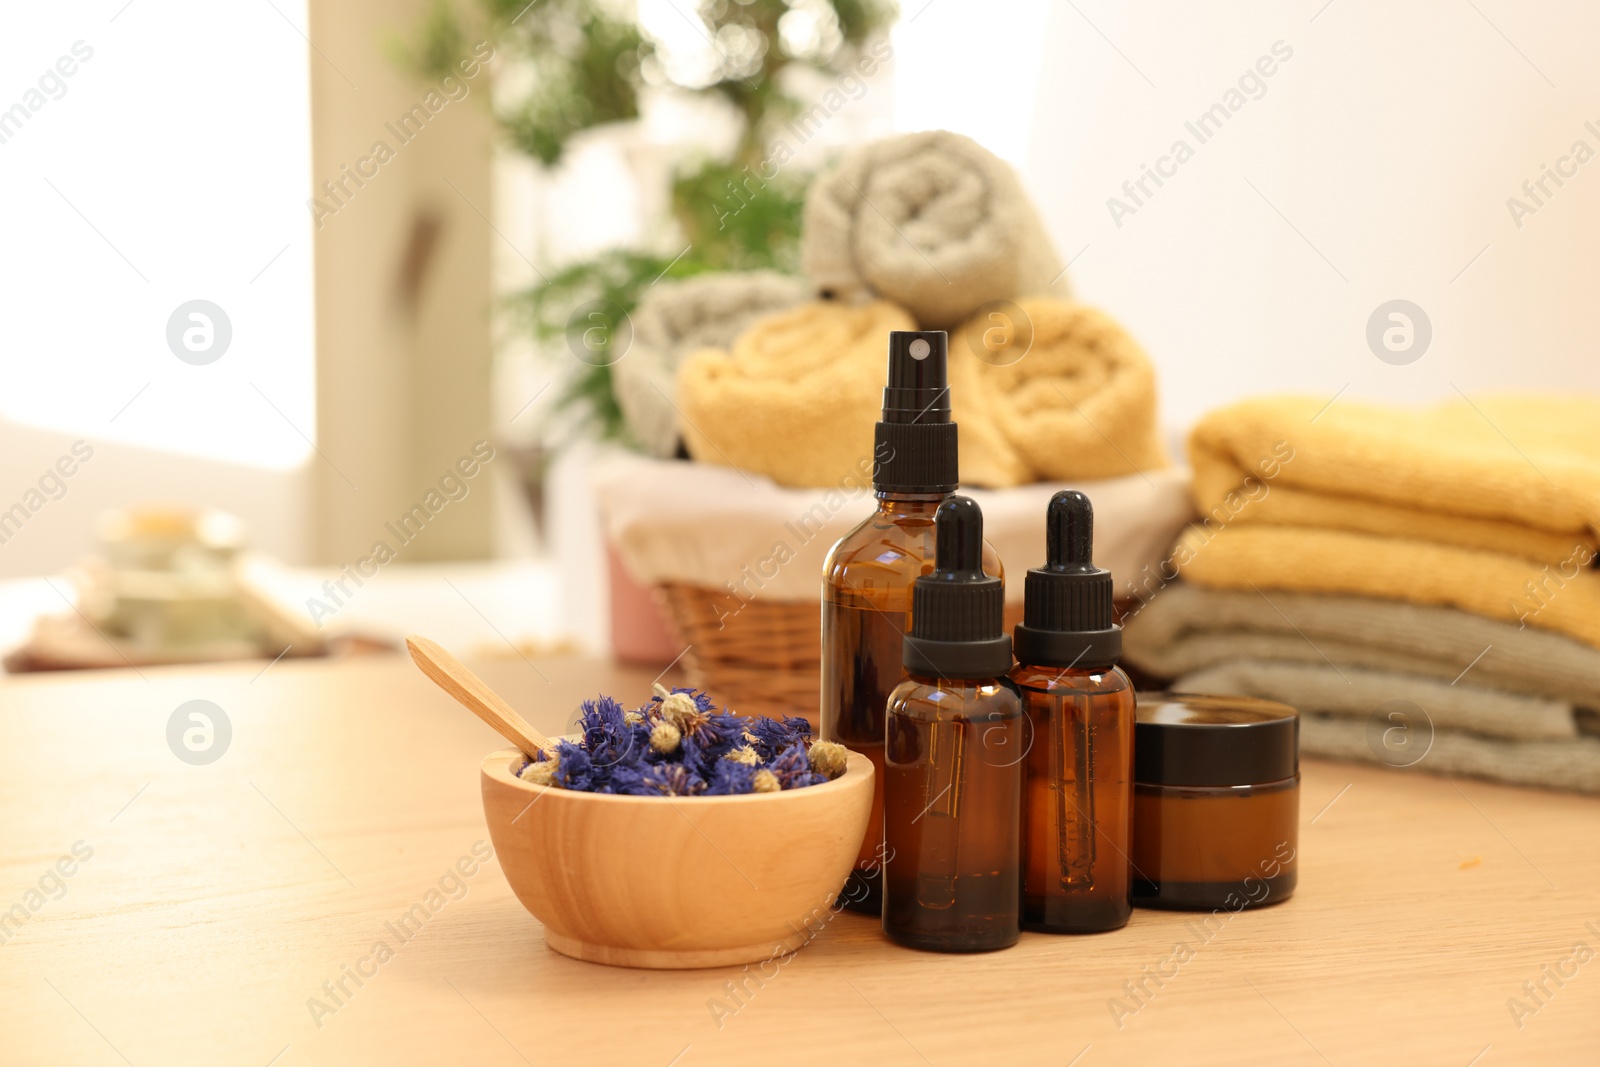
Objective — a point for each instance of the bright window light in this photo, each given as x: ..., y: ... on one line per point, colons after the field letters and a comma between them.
x: 155, y: 159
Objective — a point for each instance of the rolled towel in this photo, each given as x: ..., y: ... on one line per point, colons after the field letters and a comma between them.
x: 675, y: 318
x: 932, y: 221
x: 1068, y: 387
x: 796, y: 396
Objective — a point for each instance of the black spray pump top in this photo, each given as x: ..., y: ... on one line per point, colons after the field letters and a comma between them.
x: 1066, y: 615
x: 915, y: 447
x: 958, y: 612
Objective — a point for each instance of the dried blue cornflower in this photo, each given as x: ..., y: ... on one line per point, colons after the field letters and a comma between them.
x: 731, y: 779
x: 674, y: 780
x: 678, y: 743
x: 574, y: 769
x: 773, y: 735
x: 793, y: 768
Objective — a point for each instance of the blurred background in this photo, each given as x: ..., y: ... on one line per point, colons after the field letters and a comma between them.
x: 301, y: 264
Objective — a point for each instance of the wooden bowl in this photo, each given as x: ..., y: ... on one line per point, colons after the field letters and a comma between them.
x: 682, y: 882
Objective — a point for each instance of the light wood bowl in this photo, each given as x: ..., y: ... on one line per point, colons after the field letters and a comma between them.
x: 684, y: 882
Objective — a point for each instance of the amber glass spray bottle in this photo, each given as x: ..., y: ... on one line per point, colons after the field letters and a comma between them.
x: 866, y: 583
x: 1078, y: 808
x: 952, y: 778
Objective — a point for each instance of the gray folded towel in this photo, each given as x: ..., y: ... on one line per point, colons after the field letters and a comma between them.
x: 932, y: 221
x: 676, y: 318
x: 1357, y: 692
x: 1496, y: 701
x: 1185, y: 628
x: 1568, y: 765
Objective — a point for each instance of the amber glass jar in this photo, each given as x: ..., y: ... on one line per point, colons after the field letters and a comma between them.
x: 866, y: 613
x: 1216, y: 803
x: 952, y: 818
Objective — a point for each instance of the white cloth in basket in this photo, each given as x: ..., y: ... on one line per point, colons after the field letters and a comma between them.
x: 677, y: 521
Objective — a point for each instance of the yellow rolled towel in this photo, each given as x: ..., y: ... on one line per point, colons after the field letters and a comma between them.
x: 796, y: 397
x: 1069, y: 388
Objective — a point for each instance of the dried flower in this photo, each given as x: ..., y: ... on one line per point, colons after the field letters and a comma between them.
x: 664, y: 737
x: 679, y: 743
x: 540, y: 771
x: 731, y: 778
x: 828, y: 758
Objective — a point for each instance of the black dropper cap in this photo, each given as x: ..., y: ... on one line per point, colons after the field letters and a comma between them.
x: 915, y: 446
x: 958, y: 612
x: 1066, y: 614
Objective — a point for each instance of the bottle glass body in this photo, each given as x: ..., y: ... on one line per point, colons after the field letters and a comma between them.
x: 953, y: 770
x: 866, y: 613
x: 1078, y: 807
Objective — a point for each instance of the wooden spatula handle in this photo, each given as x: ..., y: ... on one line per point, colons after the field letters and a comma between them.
x: 451, y: 675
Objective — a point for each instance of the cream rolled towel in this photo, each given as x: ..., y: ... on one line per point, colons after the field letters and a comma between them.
x: 1069, y: 388
x: 797, y: 395
x: 675, y: 318
x: 932, y: 221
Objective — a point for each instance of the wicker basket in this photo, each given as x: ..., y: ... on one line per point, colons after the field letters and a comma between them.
x: 759, y: 657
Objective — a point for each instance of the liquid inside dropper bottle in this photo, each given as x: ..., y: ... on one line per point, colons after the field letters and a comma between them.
x: 1078, y: 806
x: 953, y: 758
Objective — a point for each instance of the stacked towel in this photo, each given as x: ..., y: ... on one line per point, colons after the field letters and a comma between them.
x: 1069, y: 388
x: 1490, y: 506
x: 796, y: 396
x: 675, y: 318
x: 1352, y: 556
x: 931, y: 221
x: 1496, y: 700
x: 1059, y: 393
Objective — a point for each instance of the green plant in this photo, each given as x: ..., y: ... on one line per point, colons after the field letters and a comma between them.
x: 566, y: 66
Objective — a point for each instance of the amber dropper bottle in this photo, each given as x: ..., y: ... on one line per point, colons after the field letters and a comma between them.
x: 866, y: 583
x: 953, y: 773
x: 1078, y: 807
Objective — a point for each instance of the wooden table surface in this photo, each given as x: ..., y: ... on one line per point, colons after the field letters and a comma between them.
x: 216, y: 900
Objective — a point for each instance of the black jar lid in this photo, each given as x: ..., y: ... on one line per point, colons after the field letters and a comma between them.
x: 1190, y: 739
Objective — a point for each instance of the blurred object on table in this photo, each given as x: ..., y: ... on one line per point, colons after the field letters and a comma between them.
x: 168, y: 585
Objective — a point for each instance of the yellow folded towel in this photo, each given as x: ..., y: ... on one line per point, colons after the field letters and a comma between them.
x: 1068, y: 387
x: 1491, y: 505
x: 796, y: 397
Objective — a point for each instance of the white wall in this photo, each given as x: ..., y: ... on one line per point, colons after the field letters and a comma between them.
x: 1390, y: 140
x: 160, y: 156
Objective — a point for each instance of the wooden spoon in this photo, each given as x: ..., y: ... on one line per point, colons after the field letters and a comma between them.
x: 451, y: 675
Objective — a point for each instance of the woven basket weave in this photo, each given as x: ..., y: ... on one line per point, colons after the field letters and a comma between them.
x: 759, y: 657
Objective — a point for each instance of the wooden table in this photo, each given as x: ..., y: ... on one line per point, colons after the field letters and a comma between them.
x: 219, y: 899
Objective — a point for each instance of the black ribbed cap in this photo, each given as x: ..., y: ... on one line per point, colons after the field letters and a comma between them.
x: 915, y: 446
x: 1066, y: 612
x: 958, y: 612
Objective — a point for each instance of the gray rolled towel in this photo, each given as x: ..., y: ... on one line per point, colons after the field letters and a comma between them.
x: 676, y: 318
x: 932, y: 221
